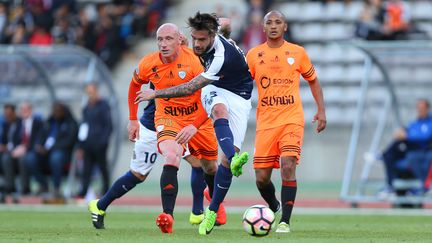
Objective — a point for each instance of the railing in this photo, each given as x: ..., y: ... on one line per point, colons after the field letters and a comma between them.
x: 405, y: 77
x: 43, y: 74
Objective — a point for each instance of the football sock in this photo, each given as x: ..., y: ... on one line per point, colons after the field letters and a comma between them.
x: 209, y: 179
x: 197, y: 185
x: 289, y: 190
x: 118, y: 189
x: 222, y: 183
x: 169, y: 188
x: 225, y: 137
x: 268, y: 194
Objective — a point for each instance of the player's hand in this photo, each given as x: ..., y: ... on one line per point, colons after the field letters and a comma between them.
x: 144, y: 95
x: 320, y: 117
x: 133, y: 130
x: 79, y: 154
x: 186, y: 134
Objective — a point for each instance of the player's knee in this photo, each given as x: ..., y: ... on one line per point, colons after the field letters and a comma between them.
x: 288, y: 166
x: 172, y: 158
x: 262, y: 182
x: 219, y: 111
x: 139, y: 176
x: 210, y: 167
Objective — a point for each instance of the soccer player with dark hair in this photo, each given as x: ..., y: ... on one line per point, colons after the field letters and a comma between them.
x: 226, y: 91
x: 172, y: 64
x: 276, y: 66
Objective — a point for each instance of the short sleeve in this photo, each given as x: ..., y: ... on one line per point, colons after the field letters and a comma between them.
x: 140, y: 75
x: 307, y: 70
x: 251, y: 63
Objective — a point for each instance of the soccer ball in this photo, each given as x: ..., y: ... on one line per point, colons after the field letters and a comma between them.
x: 258, y: 220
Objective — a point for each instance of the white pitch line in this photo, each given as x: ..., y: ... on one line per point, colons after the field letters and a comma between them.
x: 146, y: 209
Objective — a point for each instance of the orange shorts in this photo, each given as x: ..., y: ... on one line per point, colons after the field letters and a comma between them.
x: 273, y: 143
x: 202, y: 145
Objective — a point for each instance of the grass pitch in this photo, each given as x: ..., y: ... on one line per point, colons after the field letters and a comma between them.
x: 72, y: 224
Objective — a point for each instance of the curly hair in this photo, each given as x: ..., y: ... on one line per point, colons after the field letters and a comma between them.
x: 204, y: 21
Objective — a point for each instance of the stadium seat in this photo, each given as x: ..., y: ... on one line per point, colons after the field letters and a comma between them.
x: 308, y: 32
x: 334, y: 11
x: 338, y: 31
x: 315, y: 52
x: 352, y: 10
x: 290, y: 10
x: 310, y: 11
x: 421, y: 9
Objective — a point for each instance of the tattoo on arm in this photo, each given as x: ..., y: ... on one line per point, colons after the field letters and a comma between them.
x: 184, y: 89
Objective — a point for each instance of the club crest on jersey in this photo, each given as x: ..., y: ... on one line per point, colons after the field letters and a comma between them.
x: 182, y: 74
x: 160, y: 128
x: 290, y: 60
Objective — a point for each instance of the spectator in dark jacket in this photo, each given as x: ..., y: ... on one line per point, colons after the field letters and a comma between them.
x: 27, y: 132
x: 10, y: 140
x: 55, y: 147
x: 94, y: 136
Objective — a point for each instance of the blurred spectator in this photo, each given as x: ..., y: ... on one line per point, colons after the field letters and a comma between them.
x: 370, y: 24
x: 63, y: 33
x: 40, y: 36
x: 11, y: 152
x: 396, y: 20
x: 108, y: 32
x: 3, y: 20
x: 253, y: 34
x: 19, y: 35
x: 410, y: 154
x: 55, y: 148
x: 225, y: 27
x: 94, y: 136
x: 86, y: 34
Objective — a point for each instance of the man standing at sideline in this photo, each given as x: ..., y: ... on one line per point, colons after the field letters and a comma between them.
x: 226, y: 90
x: 276, y: 66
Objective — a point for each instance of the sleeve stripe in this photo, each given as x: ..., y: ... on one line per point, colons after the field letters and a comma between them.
x: 309, y: 73
x: 218, y: 60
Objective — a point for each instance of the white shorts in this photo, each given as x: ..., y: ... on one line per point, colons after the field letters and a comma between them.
x: 145, y: 152
x: 238, y: 109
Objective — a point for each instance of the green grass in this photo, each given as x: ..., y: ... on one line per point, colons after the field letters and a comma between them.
x: 65, y: 225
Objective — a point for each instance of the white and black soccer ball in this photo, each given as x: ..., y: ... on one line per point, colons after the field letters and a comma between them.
x: 258, y: 220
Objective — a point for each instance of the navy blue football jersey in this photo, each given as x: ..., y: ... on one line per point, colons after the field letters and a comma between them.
x: 226, y: 65
x: 147, y: 118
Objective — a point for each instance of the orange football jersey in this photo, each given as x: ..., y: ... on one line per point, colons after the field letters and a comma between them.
x: 165, y: 75
x: 276, y: 72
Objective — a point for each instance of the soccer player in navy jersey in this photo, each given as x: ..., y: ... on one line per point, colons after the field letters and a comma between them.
x: 226, y: 91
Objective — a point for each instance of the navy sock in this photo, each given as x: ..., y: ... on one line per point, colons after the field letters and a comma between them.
x: 197, y: 185
x: 222, y: 183
x: 225, y: 137
x: 289, y: 191
x: 209, y: 179
x: 169, y: 188
x: 118, y: 189
x: 268, y: 194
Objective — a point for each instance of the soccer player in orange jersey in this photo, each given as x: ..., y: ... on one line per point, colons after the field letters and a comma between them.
x: 226, y: 95
x: 172, y: 65
x: 276, y: 66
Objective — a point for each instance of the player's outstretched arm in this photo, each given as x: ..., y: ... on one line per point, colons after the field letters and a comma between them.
x: 178, y: 91
x: 320, y: 116
x: 133, y: 126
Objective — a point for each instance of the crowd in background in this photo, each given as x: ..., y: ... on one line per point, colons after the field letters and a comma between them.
x: 106, y: 28
x: 41, y: 149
